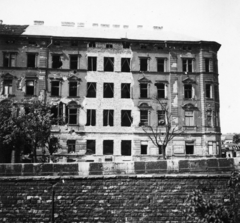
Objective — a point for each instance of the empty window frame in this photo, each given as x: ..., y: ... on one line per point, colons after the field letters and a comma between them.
x: 126, y: 45
x: 92, y: 45
x: 126, y: 118
x: 74, y: 43
x: 9, y: 59
x: 160, y: 64
x: 109, y: 46
x: 161, y: 90
x: 109, y: 64
x: 91, y: 147
x: 107, y: 147
x: 57, y: 114
x: 55, y: 88
x: 189, y: 118
x: 209, y: 91
x: 189, y: 149
x: 126, y: 148
x: 92, y: 63
x: 188, y: 91
x: 143, y: 64
x: 143, y: 118
x: 144, y: 149
x: 71, y: 146
x: 7, y: 87
x: 207, y: 64
x: 30, y: 87
x: 125, y: 90
x: 209, y: 118
x: 91, y: 90
x: 56, y: 61
x: 108, y: 90
x: 31, y: 60
x: 73, y: 89
x: 74, y: 62
x: 143, y: 90
x: 56, y: 43
x: 72, y: 116
x: 216, y: 93
x: 217, y: 121
x: 108, y: 117
x: 187, y: 65
x: 161, y: 117
x: 125, y: 64
x: 91, y: 117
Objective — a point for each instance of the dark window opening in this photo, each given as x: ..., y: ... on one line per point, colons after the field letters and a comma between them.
x: 160, y: 65
x: 72, y: 89
x: 108, y: 46
x: 74, y: 43
x: 71, y: 146
x: 207, y: 64
x: 126, y: 148
x: 144, y: 149
x: 108, y: 90
x: 72, y: 116
x: 92, y: 44
x: 74, y: 62
x: 125, y: 62
x: 126, y: 118
x: 108, y: 117
x: 109, y: 64
x: 108, y: 147
x: 55, y: 87
x: 91, y: 147
x: 143, y: 64
x: 57, y: 115
x: 29, y: 87
x: 91, y: 117
x: 56, y: 42
x: 160, y: 47
x: 161, y: 90
x: 56, y: 61
x: 125, y: 91
x: 208, y: 91
x: 7, y: 87
x: 9, y: 60
x: 209, y: 118
x: 187, y: 65
x: 143, y: 90
x: 126, y: 45
x: 142, y: 46
x: 187, y: 91
x: 91, y: 90
x: 216, y: 93
x: 92, y: 63
x: 10, y: 41
x: 143, y: 118
x: 189, y: 149
x: 161, y: 117
x: 31, y: 42
x: 31, y: 60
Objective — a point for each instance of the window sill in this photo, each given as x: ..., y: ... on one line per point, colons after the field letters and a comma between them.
x: 73, y: 97
x: 145, y: 98
x: 190, y: 127
x: 53, y: 96
x: 210, y: 99
x: 28, y: 95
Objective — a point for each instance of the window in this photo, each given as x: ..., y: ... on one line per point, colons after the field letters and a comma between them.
x: 91, y: 117
x: 107, y: 147
x: 126, y: 118
x: 213, y: 148
x: 55, y: 88
x: 92, y: 44
x: 108, y: 90
x: 207, y: 64
x: 143, y: 46
x: 31, y: 60
x: 161, y: 90
x: 56, y: 43
x: 125, y: 90
x: 109, y: 64
x: 217, y: 119
x: 7, y: 87
x: 108, y: 117
x: 57, y: 114
x: 29, y: 87
x: 74, y: 43
x: 216, y: 94
x: 143, y: 64
x: 188, y: 91
x: 209, y: 118
x: 72, y: 88
x: 189, y: 119
x: 73, y: 62
x: 126, y: 45
x: 126, y: 149
x: 71, y: 146
x: 187, y: 65
x: 72, y: 119
x: 92, y: 63
x: 125, y: 64
x: 91, y: 90
x: 143, y: 118
x: 9, y: 59
x: 91, y: 147
x: 161, y: 117
x: 144, y: 149
x: 143, y: 90
x: 56, y: 61
x: 209, y: 93
x: 160, y: 65
x: 109, y: 46
x: 189, y: 148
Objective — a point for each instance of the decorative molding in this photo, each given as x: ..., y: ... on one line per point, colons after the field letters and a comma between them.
x: 144, y: 80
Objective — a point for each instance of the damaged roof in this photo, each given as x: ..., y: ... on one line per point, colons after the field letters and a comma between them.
x: 12, y: 29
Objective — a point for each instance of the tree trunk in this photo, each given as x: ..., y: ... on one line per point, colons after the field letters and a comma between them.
x: 164, y: 152
x: 13, y: 155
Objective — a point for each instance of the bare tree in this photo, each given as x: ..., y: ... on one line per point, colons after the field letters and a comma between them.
x: 165, y: 130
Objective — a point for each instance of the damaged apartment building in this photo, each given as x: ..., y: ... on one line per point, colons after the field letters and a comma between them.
x: 101, y: 81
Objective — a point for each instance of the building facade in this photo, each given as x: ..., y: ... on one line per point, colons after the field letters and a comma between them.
x: 101, y: 82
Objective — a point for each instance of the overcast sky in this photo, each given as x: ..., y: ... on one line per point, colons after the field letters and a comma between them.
x: 216, y: 20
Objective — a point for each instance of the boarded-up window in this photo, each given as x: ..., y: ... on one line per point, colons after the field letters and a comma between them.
x: 91, y: 90
x: 108, y: 117
x: 91, y: 117
x: 126, y: 149
x: 109, y: 64
x: 108, y: 147
x: 92, y: 63
x: 125, y: 90
x: 126, y: 119
x: 125, y: 64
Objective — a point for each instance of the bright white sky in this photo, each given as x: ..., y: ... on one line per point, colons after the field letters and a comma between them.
x: 217, y: 20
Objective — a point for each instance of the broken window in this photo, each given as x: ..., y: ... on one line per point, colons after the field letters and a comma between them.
x: 160, y: 65
x: 72, y: 88
x: 126, y: 118
x: 216, y: 93
x: 109, y: 64
x: 107, y: 147
x: 126, y: 45
x: 91, y: 117
x: 125, y: 64
x: 55, y: 88
x: 92, y: 63
x: 57, y: 114
x: 143, y: 90
x: 91, y: 147
x: 125, y: 90
x: 72, y: 116
x: 209, y: 118
x: 161, y: 90
x: 189, y: 119
x: 108, y: 90
x: 7, y: 87
x: 71, y: 146
x: 207, y: 64
x: 56, y: 61
x: 31, y: 60
x: 161, y: 117
x: 108, y: 117
x: 91, y: 90
x: 9, y: 59
x: 209, y: 93
x: 187, y: 91
x: 143, y: 118
x: 143, y: 64
x: 108, y: 46
x: 187, y: 65
x: 126, y: 149
x: 144, y: 149
x: 74, y: 62
x: 29, y: 87
x: 92, y: 44
x: 189, y: 148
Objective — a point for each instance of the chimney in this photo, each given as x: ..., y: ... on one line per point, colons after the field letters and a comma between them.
x: 68, y: 24
x: 81, y: 24
x: 157, y: 27
x: 140, y: 26
x: 38, y: 23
